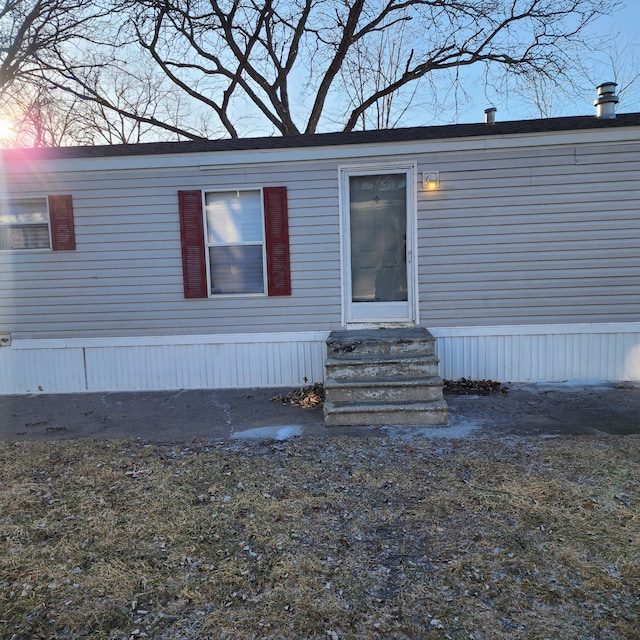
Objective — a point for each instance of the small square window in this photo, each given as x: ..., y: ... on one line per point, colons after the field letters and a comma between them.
x: 235, y: 240
x: 24, y: 224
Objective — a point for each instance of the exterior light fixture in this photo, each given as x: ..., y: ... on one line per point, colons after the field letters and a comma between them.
x: 430, y: 180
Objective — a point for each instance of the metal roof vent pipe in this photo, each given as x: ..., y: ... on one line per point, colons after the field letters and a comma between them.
x: 607, y: 100
x: 490, y: 115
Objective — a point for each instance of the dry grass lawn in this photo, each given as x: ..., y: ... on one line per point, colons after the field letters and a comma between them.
x: 323, y: 539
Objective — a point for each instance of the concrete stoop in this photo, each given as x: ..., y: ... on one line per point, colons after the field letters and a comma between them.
x: 378, y: 377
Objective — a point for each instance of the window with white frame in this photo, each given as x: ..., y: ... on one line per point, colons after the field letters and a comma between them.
x: 235, y: 241
x: 24, y: 224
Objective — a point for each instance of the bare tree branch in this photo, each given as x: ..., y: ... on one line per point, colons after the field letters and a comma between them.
x: 285, y: 65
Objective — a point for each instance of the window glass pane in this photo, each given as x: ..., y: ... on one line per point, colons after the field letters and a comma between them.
x: 32, y: 236
x: 233, y: 216
x: 236, y: 269
x: 28, y: 211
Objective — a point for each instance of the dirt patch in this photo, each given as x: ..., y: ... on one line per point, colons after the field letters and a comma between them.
x: 339, y: 538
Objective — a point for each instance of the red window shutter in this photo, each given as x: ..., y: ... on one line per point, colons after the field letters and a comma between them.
x: 63, y: 235
x: 194, y: 271
x: 277, y: 241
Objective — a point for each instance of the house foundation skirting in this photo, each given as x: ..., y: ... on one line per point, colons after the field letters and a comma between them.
x: 540, y: 353
x: 536, y: 353
x: 164, y: 362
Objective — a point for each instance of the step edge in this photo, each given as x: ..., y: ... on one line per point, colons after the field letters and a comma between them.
x: 430, y: 358
x: 438, y: 405
x: 387, y: 381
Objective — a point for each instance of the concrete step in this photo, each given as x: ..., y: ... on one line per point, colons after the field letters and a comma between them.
x: 383, y: 342
x: 417, y: 389
x: 377, y: 367
x: 434, y: 413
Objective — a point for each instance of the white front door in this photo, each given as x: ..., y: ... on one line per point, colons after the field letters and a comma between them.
x: 378, y: 220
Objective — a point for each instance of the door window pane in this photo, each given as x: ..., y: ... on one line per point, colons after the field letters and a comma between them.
x: 378, y: 219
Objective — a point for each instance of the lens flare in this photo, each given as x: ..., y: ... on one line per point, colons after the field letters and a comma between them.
x: 6, y: 129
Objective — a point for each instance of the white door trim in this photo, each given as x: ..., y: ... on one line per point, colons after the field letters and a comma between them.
x: 344, y: 172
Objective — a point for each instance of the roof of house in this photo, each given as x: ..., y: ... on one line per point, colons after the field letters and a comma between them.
x: 513, y: 127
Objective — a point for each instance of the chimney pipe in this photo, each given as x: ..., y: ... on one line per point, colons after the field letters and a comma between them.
x: 490, y: 115
x: 607, y: 100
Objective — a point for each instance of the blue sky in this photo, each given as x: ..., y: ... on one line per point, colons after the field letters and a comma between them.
x: 626, y: 21
x: 624, y: 25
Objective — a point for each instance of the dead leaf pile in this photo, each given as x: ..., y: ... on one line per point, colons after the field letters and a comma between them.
x: 309, y: 396
x: 463, y: 386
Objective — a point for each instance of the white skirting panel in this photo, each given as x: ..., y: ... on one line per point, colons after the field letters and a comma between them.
x: 41, y: 370
x: 171, y: 362
x: 552, y: 353
x: 540, y: 353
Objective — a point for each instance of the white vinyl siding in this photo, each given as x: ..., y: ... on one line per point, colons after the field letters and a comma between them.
x: 125, y: 277
x: 539, y: 235
x: 534, y: 236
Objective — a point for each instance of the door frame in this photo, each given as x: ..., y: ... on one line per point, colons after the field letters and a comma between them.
x: 374, y: 168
